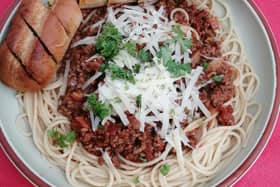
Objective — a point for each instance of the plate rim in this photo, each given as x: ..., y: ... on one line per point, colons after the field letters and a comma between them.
x: 34, y: 179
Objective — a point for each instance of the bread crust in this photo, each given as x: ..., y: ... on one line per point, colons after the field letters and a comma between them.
x: 36, y: 43
x: 69, y: 14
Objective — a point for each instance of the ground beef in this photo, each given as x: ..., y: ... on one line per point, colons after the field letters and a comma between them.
x: 214, y: 95
x: 225, y: 116
x: 129, y: 141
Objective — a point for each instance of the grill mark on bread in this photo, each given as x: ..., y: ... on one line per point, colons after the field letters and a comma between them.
x: 39, y: 39
x: 22, y: 65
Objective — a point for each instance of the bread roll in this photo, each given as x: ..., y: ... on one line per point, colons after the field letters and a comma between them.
x: 36, y: 43
x: 12, y: 73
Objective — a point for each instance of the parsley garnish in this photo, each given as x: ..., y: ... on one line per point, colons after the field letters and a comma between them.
x: 136, y: 68
x: 117, y: 100
x: 143, y: 159
x: 109, y: 42
x: 176, y: 69
x: 131, y: 48
x: 217, y: 78
x: 100, y: 126
x: 136, y: 180
x: 99, y: 108
x: 164, y: 170
x: 184, y: 43
x: 142, y: 55
x: 118, y: 72
x: 205, y: 65
x: 62, y: 140
x: 138, y: 100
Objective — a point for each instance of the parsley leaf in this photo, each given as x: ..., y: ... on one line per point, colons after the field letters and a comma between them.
x: 142, y: 55
x: 99, y: 108
x: 117, y: 100
x: 62, y: 140
x: 205, y: 65
x: 184, y: 43
x: 164, y: 170
x: 100, y: 126
x: 136, y: 180
x: 109, y: 42
x: 119, y: 73
x: 131, y: 48
x: 136, y: 68
x: 143, y: 159
x: 217, y: 78
x: 176, y: 69
x: 138, y: 100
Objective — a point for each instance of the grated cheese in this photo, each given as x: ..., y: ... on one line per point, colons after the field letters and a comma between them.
x: 86, y: 41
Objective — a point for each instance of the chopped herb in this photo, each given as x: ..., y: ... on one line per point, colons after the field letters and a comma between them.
x: 136, y: 68
x: 143, y: 159
x: 138, y: 100
x: 136, y: 180
x: 165, y: 54
x: 103, y: 68
x: 109, y: 42
x: 131, y: 48
x: 176, y: 69
x: 117, y: 100
x: 99, y: 108
x: 205, y: 65
x: 62, y: 140
x: 120, y: 73
x: 100, y: 126
x: 164, y: 170
x: 144, y: 56
x: 184, y: 43
x: 217, y: 78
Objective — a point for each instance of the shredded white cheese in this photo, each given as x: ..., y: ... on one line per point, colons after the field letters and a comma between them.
x: 85, y: 41
x: 65, y: 78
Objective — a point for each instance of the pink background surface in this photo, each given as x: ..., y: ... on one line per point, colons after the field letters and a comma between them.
x: 265, y: 173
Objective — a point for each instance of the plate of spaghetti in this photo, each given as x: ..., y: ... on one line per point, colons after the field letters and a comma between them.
x: 136, y: 93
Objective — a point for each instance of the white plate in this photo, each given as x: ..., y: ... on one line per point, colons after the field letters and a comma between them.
x: 262, y: 53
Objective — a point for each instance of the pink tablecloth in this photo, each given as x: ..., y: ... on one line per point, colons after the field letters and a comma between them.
x: 265, y: 173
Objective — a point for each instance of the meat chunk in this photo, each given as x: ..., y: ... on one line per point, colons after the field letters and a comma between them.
x: 225, y: 116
